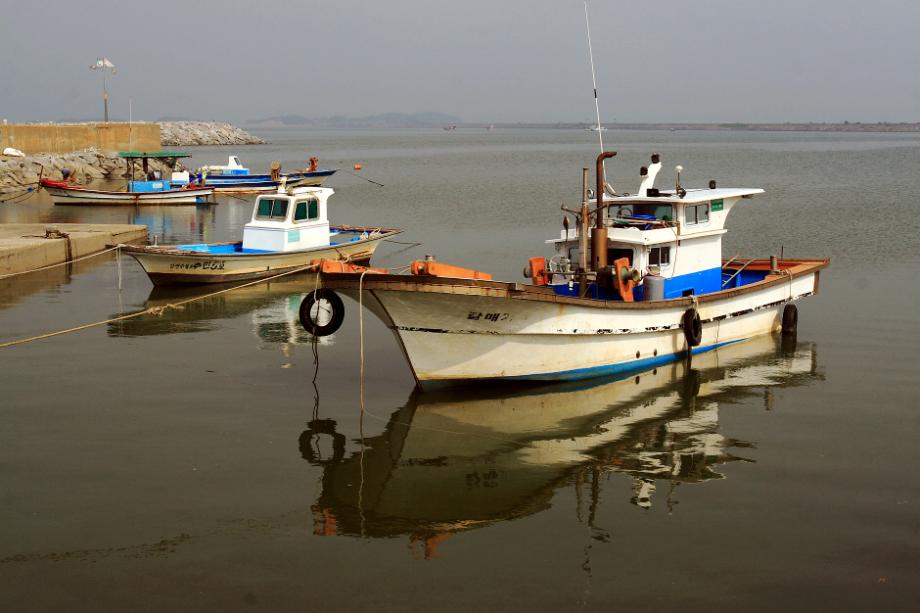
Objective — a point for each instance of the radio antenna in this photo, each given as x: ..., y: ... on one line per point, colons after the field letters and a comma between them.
x: 597, y: 109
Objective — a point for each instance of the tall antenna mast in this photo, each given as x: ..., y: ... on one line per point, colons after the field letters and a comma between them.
x: 597, y: 108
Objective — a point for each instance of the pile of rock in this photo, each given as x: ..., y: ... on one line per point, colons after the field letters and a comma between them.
x: 17, y: 174
x: 188, y: 133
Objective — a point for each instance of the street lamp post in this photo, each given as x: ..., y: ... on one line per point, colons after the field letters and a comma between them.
x: 105, y: 65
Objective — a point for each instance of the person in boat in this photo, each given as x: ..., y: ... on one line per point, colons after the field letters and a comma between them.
x: 276, y: 171
x: 314, y: 164
x: 69, y: 176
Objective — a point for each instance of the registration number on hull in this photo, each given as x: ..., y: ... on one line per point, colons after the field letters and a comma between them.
x: 203, y: 265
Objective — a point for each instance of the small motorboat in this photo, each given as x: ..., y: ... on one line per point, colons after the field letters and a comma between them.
x: 651, y: 288
x: 234, y: 177
x: 153, y: 189
x: 288, y: 230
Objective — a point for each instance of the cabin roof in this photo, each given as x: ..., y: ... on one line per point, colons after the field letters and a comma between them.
x: 293, y: 192
x: 693, y: 196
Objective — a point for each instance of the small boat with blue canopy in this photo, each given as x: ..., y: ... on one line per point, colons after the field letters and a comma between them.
x: 234, y: 177
x: 150, y: 188
x: 288, y: 230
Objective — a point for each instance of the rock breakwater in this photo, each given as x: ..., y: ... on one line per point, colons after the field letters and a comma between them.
x: 190, y: 133
x: 17, y: 174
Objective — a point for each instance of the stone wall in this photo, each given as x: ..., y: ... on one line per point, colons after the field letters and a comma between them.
x: 69, y: 137
x: 190, y: 133
x: 18, y: 175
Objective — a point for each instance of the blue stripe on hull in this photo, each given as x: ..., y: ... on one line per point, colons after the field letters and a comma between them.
x: 615, y: 369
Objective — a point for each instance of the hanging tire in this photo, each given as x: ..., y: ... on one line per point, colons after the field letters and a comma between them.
x: 693, y: 327
x: 322, y: 312
x: 790, y: 320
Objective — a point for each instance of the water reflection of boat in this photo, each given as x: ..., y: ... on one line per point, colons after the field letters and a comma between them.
x: 200, y: 315
x: 448, y: 463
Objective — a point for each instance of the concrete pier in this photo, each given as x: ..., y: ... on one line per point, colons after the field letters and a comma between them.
x: 23, y: 246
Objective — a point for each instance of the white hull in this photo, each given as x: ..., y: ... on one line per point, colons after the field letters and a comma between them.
x: 92, y: 196
x: 167, y: 266
x: 455, y: 334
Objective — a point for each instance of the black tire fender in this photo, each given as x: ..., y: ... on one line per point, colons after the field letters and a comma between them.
x: 693, y: 327
x: 790, y: 319
x: 334, y: 302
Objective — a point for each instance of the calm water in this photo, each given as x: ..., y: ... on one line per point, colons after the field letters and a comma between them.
x: 189, y: 461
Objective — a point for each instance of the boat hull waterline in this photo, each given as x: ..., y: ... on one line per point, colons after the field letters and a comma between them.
x: 458, y: 329
x: 66, y: 196
x: 169, y: 266
x: 264, y: 183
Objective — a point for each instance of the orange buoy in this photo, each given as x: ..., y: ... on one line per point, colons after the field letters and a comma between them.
x: 357, y: 166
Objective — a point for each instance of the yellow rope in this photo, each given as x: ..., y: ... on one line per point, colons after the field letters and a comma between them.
x: 155, y: 310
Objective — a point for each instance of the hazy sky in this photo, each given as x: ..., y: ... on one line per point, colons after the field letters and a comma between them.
x: 483, y: 60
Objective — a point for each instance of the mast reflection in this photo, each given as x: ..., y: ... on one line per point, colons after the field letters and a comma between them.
x: 457, y: 460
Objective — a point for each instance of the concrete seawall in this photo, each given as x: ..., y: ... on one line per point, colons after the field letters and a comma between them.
x: 69, y: 137
x: 23, y: 246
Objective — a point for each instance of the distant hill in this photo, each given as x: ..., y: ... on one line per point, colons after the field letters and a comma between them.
x: 383, y: 120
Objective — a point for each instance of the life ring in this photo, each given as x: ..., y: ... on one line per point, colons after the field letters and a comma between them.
x: 693, y: 327
x: 790, y: 320
x: 315, y: 305
x: 623, y: 279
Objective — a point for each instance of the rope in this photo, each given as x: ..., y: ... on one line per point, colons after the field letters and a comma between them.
x: 155, y: 310
x: 64, y: 263
x: 21, y: 196
x: 360, y: 177
x: 390, y: 240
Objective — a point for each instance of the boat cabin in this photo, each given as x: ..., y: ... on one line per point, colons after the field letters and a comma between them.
x: 234, y: 168
x: 671, y: 239
x: 151, y: 180
x: 289, y: 220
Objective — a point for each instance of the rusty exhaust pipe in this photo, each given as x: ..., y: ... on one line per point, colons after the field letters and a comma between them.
x: 599, y: 234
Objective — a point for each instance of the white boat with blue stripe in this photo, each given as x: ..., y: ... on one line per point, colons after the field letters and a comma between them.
x: 288, y: 230
x: 649, y: 287
x: 234, y: 177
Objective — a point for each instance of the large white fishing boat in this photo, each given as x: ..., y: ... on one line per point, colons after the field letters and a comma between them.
x: 288, y: 230
x: 651, y: 288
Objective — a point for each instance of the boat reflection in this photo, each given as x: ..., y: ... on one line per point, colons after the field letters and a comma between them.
x: 449, y: 462
x: 14, y: 290
x: 273, y: 304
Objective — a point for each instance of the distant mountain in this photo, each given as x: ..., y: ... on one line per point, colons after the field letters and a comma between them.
x: 384, y: 120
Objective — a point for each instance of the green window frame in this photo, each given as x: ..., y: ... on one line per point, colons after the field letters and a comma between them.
x: 272, y: 209
x: 306, y: 210
x: 300, y: 213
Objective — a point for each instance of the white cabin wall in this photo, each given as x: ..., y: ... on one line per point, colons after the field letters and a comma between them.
x: 695, y: 255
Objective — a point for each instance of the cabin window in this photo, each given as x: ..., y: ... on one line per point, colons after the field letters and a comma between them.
x: 659, y: 256
x: 306, y: 210
x: 615, y: 254
x: 697, y: 214
x: 271, y: 208
x: 644, y: 210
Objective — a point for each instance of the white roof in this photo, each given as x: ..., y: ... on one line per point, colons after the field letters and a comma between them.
x: 693, y: 196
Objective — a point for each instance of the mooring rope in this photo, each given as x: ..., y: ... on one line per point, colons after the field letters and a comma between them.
x: 64, y: 263
x: 154, y: 310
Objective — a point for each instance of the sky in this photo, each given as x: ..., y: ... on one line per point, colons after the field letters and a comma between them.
x: 481, y: 60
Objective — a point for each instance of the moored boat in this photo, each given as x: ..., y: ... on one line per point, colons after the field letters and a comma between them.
x: 150, y: 190
x: 288, y: 230
x: 234, y: 177
x: 655, y: 288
